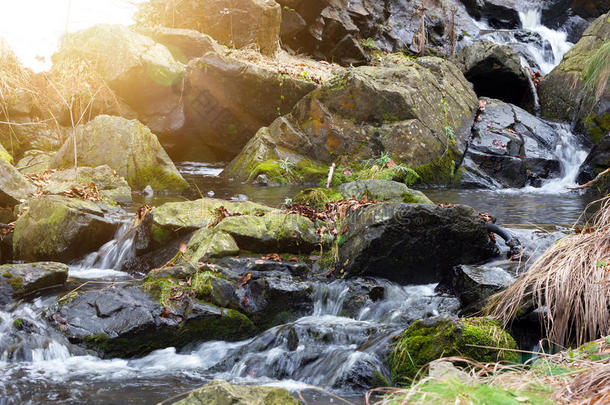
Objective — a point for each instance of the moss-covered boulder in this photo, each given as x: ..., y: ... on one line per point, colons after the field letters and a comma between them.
x: 110, y: 186
x: 271, y: 232
x: 411, y: 243
x: 132, y: 320
x: 14, y: 187
x: 4, y: 155
x: 419, y: 112
x: 220, y: 392
x: 235, y: 23
x: 128, y: 147
x: 577, y: 90
x: 19, y: 280
x: 61, y: 228
x: 428, y: 340
x: 208, y: 244
x: 381, y: 190
x: 175, y: 218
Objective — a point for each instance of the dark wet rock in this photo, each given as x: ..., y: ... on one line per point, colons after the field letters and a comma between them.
x: 509, y: 147
x: 128, y: 147
x: 495, y: 71
x: 19, y: 280
x: 237, y: 24
x: 569, y: 94
x: 63, y: 229
x: 14, y: 187
x: 412, y: 243
x: 597, y: 161
x: 275, y: 293
x: 370, y: 110
x: 381, y: 190
x: 499, y: 14
x: 124, y: 321
x: 268, y: 292
x: 221, y: 392
x: 473, y: 285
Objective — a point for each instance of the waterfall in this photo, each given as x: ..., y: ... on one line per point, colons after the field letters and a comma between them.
x: 559, y: 45
x: 541, y: 48
x: 108, y: 260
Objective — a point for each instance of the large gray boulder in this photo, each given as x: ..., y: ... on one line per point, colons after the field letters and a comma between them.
x: 133, y: 76
x: 412, y: 243
x: 419, y: 112
x: 14, y: 187
x: 128, y: 147
x: 227, y: 98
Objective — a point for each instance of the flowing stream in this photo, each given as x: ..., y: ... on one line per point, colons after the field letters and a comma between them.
x: 331, y: 348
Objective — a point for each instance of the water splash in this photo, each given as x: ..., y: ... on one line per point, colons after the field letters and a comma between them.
x: 108, y: 260
x: 570, y: 155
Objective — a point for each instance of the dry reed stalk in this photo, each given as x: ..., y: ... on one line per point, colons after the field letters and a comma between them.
x: 572, y: 280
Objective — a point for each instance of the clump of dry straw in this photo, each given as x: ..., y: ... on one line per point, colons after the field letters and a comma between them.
x: 572, y: 280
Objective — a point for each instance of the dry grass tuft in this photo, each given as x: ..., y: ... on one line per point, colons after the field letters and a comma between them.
x: 572, y: 280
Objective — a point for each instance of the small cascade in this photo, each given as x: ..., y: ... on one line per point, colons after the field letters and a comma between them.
x: 570, y: 155
x: 328, y: 298
x: 108, y: 260
x: 546, y: 58
x: 541, y: 48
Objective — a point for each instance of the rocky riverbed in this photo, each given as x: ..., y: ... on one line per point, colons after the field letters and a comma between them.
x: 295, y: 203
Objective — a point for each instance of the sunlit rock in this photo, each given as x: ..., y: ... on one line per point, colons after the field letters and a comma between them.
x: 128, y: 147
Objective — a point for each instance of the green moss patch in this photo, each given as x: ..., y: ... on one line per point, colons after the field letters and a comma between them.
x: 317, y: 197
x: 425, y: 341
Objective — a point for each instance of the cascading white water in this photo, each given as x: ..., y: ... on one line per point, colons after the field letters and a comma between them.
x: 530, y: 20
x: 544, y: 46
x: 570, y: 155
x: 107, y: 261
